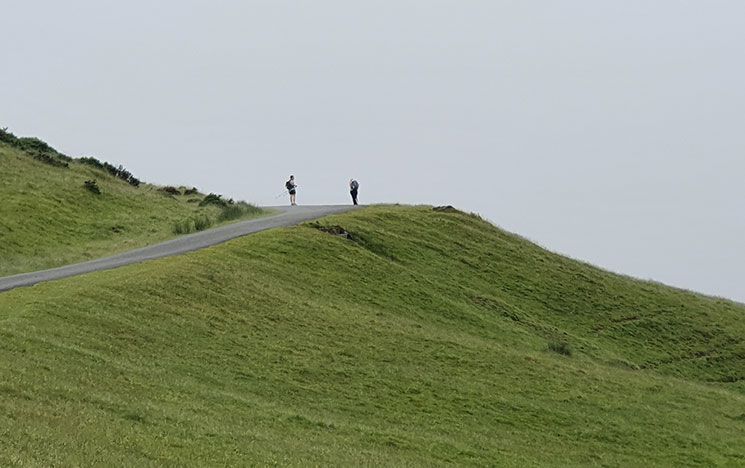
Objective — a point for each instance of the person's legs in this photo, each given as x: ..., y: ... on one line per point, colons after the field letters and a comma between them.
x: 354, y: 196
x: 292, y: 198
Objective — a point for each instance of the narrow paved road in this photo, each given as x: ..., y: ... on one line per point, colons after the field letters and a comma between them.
x: 285, y: 216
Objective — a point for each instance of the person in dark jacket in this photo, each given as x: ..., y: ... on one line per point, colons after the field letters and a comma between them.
x: 354, y: 186
x: 291, y: 187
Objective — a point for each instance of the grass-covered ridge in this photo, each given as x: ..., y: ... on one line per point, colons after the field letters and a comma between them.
x: 56, y: 210
x: 419, y: 338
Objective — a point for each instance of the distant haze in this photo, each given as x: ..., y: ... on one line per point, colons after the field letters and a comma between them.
x: 613, y: 132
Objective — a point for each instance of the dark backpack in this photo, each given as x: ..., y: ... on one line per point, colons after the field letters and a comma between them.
x: 355, y: 185
x: 289, y: 185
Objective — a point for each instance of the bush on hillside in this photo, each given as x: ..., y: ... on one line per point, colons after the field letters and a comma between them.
x: 35, y: 145
x: 115, y: 171
x: 122, y: 173
x: 92, y: 186
x: 90, y: 161
x: 169, y: 190
x: 49, y: 159
x: 191, y: 191
x: 334, y: 230
x: 445, y: 209
x: 41, y: 151
x: 32, y: 146
x: 7, y: 137
x: 215, y: 199
x: 35, y: 148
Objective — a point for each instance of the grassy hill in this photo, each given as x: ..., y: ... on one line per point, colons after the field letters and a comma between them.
x: 427, y: 338
x: 49, y: 218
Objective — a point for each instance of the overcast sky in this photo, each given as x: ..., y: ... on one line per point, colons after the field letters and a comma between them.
x: 611, y: 131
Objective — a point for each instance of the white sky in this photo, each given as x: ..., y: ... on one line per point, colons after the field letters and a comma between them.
x: 611, y: 131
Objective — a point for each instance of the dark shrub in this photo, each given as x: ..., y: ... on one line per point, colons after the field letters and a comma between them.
x: 120, y: 172
x: 89, y: 161
x: 191, y: 191
x: 36, y: 148
x: 213, y: 199
x: 41, y: 151
x: 52, y: 160
x: 170, y: 190
x: 115, y: 171
x: 34, y: 144
x: 92, y: 186
x: 7, y: 137
x: 30, y: 145
x: 334, y: 230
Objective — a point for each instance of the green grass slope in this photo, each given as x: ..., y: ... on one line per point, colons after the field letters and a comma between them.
x: 48, y: 218
x: 422, y: 340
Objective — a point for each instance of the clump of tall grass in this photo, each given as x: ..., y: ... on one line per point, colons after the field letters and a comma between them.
x: 202, y: 222
x: 229, y: 211
x: 237, y: 210
x: 192, y: 224
x: 560, y: 347
x: 184, y: 226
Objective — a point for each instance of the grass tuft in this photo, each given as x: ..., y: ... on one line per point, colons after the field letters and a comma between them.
x: 560, y: 347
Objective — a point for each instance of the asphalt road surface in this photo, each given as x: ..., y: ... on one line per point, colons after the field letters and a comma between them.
x: 284, y: 216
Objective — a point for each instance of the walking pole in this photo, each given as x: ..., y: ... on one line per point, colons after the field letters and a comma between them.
x: 284, y: 192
